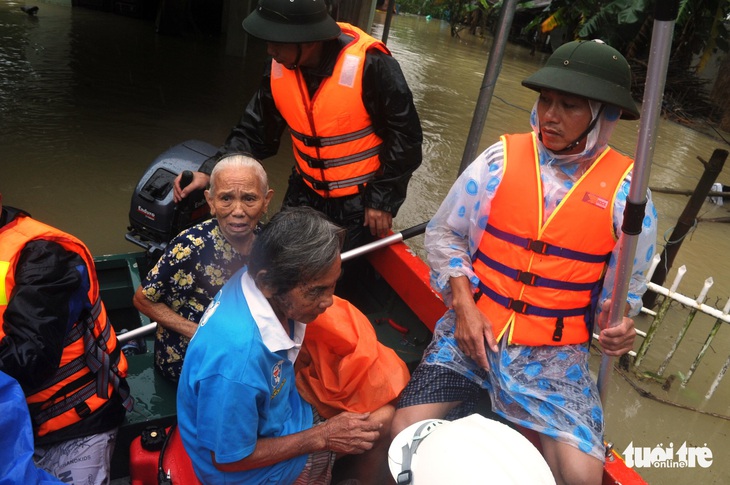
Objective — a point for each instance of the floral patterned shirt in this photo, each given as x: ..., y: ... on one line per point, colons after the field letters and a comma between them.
x: 195, y: 265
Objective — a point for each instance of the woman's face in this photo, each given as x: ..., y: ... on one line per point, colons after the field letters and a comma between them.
x: 308, y: 300
x: 238, y: 203
x: 563, y: 117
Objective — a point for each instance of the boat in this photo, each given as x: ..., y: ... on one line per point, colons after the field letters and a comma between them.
x: 394, y: 292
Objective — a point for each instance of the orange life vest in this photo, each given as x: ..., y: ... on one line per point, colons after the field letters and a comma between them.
x: 85, y: 379
x: 540, y: 281
x: 335, y: 145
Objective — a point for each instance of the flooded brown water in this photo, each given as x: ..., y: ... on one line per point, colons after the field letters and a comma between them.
x: 89, y: 99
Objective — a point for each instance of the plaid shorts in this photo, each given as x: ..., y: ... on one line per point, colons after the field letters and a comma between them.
x: 437, y: 384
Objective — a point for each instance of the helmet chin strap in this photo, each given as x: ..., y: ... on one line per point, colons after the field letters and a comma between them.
x: 575, y: 143
x: 299, y: 56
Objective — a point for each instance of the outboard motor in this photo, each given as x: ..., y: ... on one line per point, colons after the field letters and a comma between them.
x: 154, y: 217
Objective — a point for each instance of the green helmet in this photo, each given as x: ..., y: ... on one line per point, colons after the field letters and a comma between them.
x: 291, y: 21
x: 590, y: 69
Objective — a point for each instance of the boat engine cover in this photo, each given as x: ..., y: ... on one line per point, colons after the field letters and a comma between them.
x: 154, y: 217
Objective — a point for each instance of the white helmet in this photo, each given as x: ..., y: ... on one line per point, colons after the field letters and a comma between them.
x: 468, y: 450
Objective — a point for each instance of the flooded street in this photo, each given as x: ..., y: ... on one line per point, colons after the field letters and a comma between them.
x: 89, y: 99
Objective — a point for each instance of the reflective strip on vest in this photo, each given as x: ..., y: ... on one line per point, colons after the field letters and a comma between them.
x: 4, y: 266
x: 328, y: 141
x: 338, y: 162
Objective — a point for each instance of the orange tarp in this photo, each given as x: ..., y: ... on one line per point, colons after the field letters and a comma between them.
x: 343, y: 367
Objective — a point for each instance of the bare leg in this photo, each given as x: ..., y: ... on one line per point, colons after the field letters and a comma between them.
x: 371, y: 468
x: 405, y: 417
x: 569, y: 465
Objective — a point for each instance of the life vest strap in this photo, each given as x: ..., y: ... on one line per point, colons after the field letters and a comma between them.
x: 102, y: 366
x: 525, y: 308
x: 339, y: 184
x: 532, y: 279
x: 64, y: 405
x: 78, y: 330
x: 325, y: 163
x: 81, y: 329
x: 327, y: 141
x: 541, y: 247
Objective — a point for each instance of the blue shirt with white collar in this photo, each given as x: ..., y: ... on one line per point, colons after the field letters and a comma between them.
x: 237, y: 386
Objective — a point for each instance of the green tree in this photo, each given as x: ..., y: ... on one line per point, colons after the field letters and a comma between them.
x: 700, y: 31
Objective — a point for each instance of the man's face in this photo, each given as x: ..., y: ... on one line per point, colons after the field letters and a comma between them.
x: 563, y: 117
x: 238, y: 203
x: 309, y: 300
x: 292, y: 55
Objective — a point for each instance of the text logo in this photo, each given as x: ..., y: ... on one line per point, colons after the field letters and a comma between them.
x: 148, y: 214
x: 667, y: 457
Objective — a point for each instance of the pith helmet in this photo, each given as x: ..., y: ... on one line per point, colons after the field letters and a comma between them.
x: 590, y: 69
x: 473, y: 449
x: 291, y: 21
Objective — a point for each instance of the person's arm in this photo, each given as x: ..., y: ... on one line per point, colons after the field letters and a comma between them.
x: 162, y: 284
x: 389, y: 102
x: 236, y: 444
x: 454, y: 232
x: 163, y: 314
x: 345, y: 433
x: 258, y: 133
x: 473, y: 330
x: 47, y: 299
x: 452, y: 236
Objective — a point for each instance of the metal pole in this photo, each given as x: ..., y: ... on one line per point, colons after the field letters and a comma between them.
x: 661, y: 44
x: 687, y: 220
x: 346, y: 256
x: 386, y: 25
x: 494, y: 64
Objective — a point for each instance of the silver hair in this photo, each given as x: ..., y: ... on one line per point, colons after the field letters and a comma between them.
x: 298, y: 245
x: 240, y: 161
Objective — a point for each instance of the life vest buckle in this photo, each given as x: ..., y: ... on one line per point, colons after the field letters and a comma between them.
x: 526, y: 277
x: 405, y: 477
x: 536, y: 246
x: 319, y: 185
x: 517, y: 305
x: 559, y: 326
x: 311, y: 141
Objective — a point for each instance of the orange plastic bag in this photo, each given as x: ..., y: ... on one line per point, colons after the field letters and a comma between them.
x: 343, y: 367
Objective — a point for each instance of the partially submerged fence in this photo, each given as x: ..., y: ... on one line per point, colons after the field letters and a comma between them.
x: 693, y: 306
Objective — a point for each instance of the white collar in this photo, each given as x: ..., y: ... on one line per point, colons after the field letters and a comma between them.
x: 272, y: 332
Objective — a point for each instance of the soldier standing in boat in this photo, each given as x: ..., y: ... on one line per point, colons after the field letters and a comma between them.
x: 355, y: 131
x: 523, y: 250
